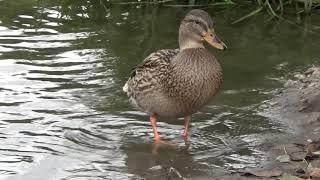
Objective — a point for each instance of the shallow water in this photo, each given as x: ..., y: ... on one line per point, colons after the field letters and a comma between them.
x: 63, y: 114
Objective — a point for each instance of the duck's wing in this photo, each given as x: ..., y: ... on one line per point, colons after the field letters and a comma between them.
x: 147, y: 74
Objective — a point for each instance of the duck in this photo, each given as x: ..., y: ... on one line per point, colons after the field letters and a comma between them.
x: 176, y: 83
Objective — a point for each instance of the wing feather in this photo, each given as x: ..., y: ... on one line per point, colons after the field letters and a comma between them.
x: 149, y: 71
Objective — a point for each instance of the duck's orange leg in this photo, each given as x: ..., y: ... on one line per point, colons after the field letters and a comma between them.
x: 153, y: 121
x: 186, y: 127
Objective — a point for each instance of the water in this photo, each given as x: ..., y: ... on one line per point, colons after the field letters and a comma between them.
x: 63, y: 114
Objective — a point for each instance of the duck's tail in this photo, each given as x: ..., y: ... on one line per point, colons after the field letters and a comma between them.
x: 125, y: 87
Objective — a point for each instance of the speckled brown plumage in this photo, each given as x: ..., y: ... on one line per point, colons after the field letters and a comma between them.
x: 178, y: 82
x: 173, y: 83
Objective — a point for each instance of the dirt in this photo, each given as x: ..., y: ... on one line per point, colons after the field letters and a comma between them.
x: 298, y: 106
x: 295, y: 154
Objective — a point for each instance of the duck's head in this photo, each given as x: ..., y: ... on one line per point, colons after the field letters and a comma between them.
x: 196, y: 28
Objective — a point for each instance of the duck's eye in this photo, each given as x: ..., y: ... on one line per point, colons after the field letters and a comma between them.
x: 197, y: 22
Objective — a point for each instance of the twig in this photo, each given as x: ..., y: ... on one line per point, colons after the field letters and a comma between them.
x: 104, y: 6
x: 304, y: 160
x: 270, y: 8
x: 184, y: 5
x: 173, y: 170
x: 285, y: 151
x: 143, y: 2
x: 199, y: 5
x: 248, y: 15
x: 223, y: 141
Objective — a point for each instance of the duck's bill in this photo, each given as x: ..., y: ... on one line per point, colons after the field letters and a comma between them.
x: 214, y: 40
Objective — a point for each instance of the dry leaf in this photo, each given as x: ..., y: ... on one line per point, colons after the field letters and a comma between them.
x: 315, y: 174
x: 297, y: 156
x: 289, y: 177
x: 316, y: 152
x: 313, y: 146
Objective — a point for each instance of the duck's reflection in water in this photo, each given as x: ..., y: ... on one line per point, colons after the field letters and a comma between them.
x: 149, y: 160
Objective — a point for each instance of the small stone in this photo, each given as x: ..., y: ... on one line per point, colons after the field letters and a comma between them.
x: 300, y: 171
x: 264, y: 173
x: 289, y: 83
x: 309, y: 71
x: 300, y: 76
x: 313, y: 84
x: 283, y: 158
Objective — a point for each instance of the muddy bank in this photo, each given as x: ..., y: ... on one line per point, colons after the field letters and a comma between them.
x: 298, y: 104
x: 296, y: 154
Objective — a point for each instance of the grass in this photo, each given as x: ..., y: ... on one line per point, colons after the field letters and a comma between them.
x: 276, y: 8
x: 280, y: 6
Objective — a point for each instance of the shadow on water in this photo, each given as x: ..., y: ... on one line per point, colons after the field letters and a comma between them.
x: 63, y: 114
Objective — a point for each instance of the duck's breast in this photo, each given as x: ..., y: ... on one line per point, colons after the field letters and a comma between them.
x: 196, y: 76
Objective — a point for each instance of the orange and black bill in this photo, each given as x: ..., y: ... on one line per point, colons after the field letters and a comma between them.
x: 211, y: 38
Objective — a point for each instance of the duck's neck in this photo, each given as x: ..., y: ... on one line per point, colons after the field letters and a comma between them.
x: 190, y: 45
x: 186, y: 41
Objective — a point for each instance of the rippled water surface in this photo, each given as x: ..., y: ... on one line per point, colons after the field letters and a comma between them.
x: 63, y: 114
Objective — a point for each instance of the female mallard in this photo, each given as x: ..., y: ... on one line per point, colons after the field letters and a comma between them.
x: 178, y: 82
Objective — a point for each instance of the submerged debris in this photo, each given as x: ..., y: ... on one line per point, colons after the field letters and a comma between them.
x: 175, y: 173
x: 156, y: 168
x: 264, y: 173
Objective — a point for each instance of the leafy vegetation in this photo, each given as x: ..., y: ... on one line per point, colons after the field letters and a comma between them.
x: 276, y: 8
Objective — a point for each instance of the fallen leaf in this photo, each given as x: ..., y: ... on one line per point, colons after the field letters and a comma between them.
x: 313, y: 150
x: 313, y: 146
x: 284, y: 158
x: 315, y: 174
x: 286, y: 176
x: 264, y: 173
x: 297, y: 156
x: 316, y: 152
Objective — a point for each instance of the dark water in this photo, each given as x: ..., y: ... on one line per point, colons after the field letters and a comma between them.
x: 63, y: 114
